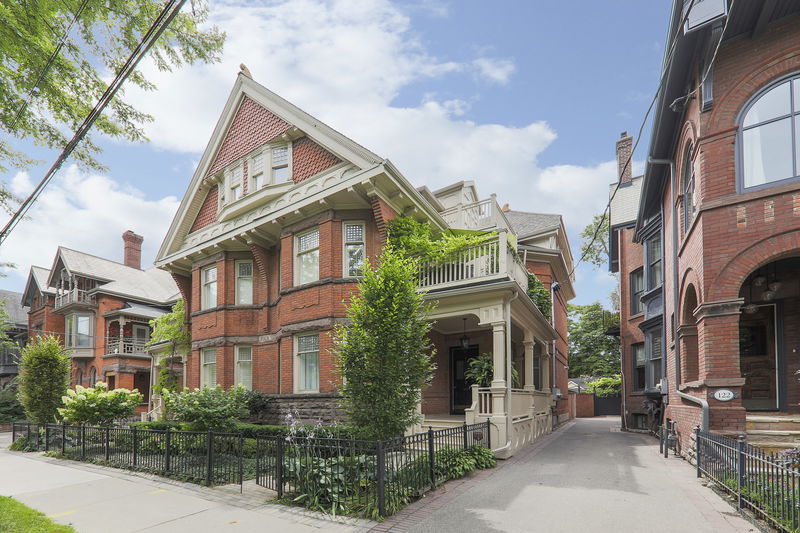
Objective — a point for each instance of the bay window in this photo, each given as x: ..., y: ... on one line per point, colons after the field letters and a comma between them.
x: 653, y: 256
x: 257, y: 172
x: 208, y: 367
x: 636, y: 290
x: 654, y: 348
x: 280, y: 164
x: 78, y: 329
x: 235, y: 183
x: 639, y: 363
x: 307, y: 257
x: 244, y: 366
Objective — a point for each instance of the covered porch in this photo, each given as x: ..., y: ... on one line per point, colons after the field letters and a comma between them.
x: 501, y: 323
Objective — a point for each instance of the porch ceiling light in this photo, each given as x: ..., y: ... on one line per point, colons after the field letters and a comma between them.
x: 464, y: 339
x: 750, y: 308
x: 759, y: 281
x: 768, y: 295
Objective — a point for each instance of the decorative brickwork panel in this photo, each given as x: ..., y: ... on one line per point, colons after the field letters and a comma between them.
x: 383, y: 213
x: 252, y: 126
x: 309, y: 158
x: 208, y: 211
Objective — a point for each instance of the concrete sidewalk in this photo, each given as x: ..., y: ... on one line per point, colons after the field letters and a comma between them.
x: 588, y: 476
x: 96, y: 499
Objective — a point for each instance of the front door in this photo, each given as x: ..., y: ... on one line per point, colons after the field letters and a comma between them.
x: 758, y: 359
x: 460, y: 392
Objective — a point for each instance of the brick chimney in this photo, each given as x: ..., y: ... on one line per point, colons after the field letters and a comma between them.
x: 132, y: 249
x: 624, y: 150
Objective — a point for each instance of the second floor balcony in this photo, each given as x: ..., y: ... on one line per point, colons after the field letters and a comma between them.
x: 125, y: 346
x: 77, y: 297
x: 493, y: 260
x: 481, y: 215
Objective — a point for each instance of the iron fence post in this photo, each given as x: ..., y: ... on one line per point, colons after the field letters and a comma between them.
x: 29, y: 434
x: 108, y: 438
x: 209, y: 457
x: 47, y: 437
x: 381, y: 479
x: 666, y: 441
x: 431, y: 459
x: 135, y: 446
x: 167, y: 458
x: 740, y: 470
x: 241, y: 463
x: 63, y: 438
x: 83, y: 441
x: 279, y: 467
x: 13, y: 431
x: 466, y: 441
x: 697, y: 449
x: 488, y: 435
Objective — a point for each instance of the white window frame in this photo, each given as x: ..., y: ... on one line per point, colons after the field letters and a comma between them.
x: 204, y: 285
x: 71, y: 330
x: 204, y: 367
x: 299, y: 375
x: 239, y: 277
x: 265, y: 176
x: 346, y: 243
x: 237, y: 368
x: 232, y: 184
x: 298, y: 253
x: 272, y: 166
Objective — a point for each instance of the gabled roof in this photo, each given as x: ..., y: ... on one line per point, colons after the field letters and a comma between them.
x: 37, y: 280
x: 331, y: 140
x: 16, y: 312
x: 625, y: 204
x: 137, y: 310
x: 151, y: 285
x: 527, y: 224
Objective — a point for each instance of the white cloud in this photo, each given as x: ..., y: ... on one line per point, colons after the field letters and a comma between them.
x: 87, y: 212
x: 496, y: 70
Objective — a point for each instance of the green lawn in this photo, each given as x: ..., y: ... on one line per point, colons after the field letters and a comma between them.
x: 18, y: 518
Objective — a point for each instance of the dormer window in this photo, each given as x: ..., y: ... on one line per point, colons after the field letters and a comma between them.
x: 235, y: 185
x: 280, y: 164
x: 257, y: 172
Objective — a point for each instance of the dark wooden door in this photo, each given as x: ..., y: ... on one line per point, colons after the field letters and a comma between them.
x: 758, y: 359
x: 460, y: 392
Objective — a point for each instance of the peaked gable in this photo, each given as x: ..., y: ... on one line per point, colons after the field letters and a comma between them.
x: 208, y: 211
x: 252, y: 126
x: 309, y: 158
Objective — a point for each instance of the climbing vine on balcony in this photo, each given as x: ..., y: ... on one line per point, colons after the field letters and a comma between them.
x: 540, y: 295
x: 416, y: 239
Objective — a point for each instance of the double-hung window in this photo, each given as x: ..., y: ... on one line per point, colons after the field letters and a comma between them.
x: 307, y: 348
x: 655, y: 353
x: 637, y: 289
x: 244, y: 282
x: 307, y: 257
x: 257, y: 172
x: 353, y: 248
x: 244, y: 366
x: 639, y: 365
x: 769, y: 137
x: 235, y: 186
x: 208, y: 367
x: 280, y: 164
x: 208, y: 296
x: 79, y: 331
x: 655, y: 274
x: 689, y: 200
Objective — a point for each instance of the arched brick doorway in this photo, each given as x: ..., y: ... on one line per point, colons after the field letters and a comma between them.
x: 769, y: 336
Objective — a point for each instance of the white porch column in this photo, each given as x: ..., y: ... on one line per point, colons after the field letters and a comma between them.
x: 544, y: 363
x: 499, y: 354
x: 500, y: 422
x: 528, y: 379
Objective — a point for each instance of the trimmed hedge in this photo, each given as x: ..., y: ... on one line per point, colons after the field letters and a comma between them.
x: 251, y: 431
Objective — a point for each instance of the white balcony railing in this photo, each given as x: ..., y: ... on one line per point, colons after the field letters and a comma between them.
x: 494, y: 259
x: 482, y: 215
x: 116, y: 345
x: 74, y: 296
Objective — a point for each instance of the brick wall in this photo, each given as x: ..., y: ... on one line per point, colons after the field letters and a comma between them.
x: 208, y: 211
x: 309, y: 158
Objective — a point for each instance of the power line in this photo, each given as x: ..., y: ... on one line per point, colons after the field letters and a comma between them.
x: 158, y: 26
x: 667, y: 62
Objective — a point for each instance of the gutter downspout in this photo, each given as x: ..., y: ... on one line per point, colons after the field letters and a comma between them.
x: 554, y: 287
x: 702, y: 403
x: 675, y: 296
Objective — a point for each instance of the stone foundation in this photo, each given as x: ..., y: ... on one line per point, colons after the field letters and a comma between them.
x: 308, y: 408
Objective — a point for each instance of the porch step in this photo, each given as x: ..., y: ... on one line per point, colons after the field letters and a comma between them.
x: 441, y: 423
x: 773, y: 422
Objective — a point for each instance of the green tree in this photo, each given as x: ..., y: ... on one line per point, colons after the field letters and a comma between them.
x: 594, y: 241
x: 383, y: 351
x: 102, y: 36
x: 98, y: 406
x: 170, y: 328
x: 591, y: 351
x: 10, y: 408
x: 43, y: 378
x: 605, y: 386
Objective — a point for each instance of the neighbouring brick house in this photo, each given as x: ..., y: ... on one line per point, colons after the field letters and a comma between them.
x: 267, y: 245
x: 17, y: 332
x: 101, y: 309
x: 717, y: 232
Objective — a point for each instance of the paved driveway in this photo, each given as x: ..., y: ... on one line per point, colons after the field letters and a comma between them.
x: 587, y: 477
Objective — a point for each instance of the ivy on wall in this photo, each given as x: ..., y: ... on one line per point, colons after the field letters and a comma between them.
x: 540, y: 295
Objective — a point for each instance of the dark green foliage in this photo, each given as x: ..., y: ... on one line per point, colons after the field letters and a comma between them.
x: 591, y: 351
x: 214, y: 408
x: 325, y: 484
x: 256, y: 401
x: 606, y: 386
x: 18, y: 518
x: 416, y: 239
x: 384, y: 354
x: 10, y: 408
x: 540, y: 295
x: 453, y: 463
x: 595, y: 251
x: 480, y: 371
x: 484, y: 457
x: 43, y: 378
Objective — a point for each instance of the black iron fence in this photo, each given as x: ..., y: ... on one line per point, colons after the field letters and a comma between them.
x: 764, y: 483
x: 372, y: 478
x: 209, y: 458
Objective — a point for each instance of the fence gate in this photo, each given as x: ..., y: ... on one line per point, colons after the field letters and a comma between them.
x: 610, y: 405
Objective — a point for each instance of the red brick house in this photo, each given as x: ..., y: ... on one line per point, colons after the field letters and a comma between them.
x: 101, y: 310
x: 267, y: 244
x: 717, y: 232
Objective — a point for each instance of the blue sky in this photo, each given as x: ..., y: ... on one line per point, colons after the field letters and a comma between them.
x: 525, y: 97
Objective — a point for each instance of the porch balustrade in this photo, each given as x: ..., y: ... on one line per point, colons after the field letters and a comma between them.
x: 485, y: 214
x: 494, y: 259
x: 74, y: 296
x: 124, y: 346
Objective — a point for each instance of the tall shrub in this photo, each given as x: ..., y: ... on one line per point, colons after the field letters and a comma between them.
x: 384, y: 354
x: 98, y: 406
x: 208, y: 408
x: 43, y: 378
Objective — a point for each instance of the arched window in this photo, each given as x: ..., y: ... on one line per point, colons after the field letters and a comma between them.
x: 769, y: 136
x: 93, y: 375
x: 689, y: 201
